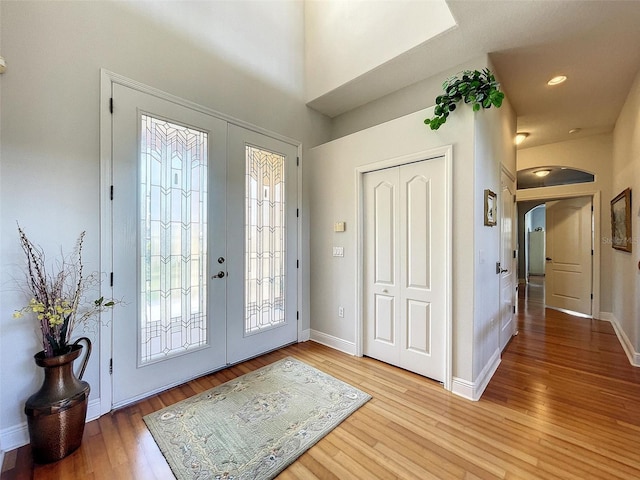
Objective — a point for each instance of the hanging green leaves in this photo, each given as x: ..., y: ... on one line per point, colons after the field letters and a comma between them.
x: 480, y: 89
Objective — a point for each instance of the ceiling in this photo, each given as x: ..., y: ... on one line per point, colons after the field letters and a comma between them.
x: 596, y: 44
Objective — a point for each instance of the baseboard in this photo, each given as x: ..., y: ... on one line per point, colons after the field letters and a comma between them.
x: 18, y: 435
x: 474, y: 390
x: 305, y: 335
x: 627, y: 346
x: 333, y: 342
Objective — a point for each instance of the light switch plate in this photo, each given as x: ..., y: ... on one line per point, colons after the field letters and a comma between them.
x: 338, y: 251
x: 339, y: 227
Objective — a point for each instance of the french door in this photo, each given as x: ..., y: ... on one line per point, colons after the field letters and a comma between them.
x: 204, y: 243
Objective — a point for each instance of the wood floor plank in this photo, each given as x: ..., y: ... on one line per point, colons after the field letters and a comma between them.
x: 563, y: 404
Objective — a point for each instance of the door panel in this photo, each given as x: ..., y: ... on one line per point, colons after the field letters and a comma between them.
x: 568, y: 249
x: 263, y: 229
x: 507, y: 262
x: 404, y: 266
x: 169, y: 171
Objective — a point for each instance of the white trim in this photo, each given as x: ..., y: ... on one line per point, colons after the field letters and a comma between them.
x: 627, y: 346
x: 14, y: 436
x: 106, y: 250
x: 305, y: 335
x: 18, y: 435
x: 333, y: 342
x: 474, y: 390
x: 445, y: 151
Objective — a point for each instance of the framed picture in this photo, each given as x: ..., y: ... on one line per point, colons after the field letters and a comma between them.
x: 621, y: 221
x: 490, y: 206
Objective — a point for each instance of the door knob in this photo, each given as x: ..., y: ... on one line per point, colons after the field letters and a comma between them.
x: 220, y: 259
x: 220, y: 274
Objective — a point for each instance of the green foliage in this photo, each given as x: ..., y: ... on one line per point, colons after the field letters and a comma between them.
x: 480, y: 89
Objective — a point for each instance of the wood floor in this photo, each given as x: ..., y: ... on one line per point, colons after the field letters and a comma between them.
x: 564, y: 404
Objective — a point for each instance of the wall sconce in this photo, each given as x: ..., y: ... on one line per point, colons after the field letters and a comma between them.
x: 520, y: 136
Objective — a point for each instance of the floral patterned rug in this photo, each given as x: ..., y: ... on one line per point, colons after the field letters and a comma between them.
x: 254, y: 426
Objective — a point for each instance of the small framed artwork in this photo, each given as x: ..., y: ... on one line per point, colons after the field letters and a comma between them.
x: 621, y: 221
x: 490, y: 206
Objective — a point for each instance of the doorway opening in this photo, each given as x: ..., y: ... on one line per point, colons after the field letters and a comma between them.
x: 560, y: 256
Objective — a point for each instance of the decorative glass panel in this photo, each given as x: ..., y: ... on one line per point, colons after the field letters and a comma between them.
x: 173, y: 239
x: 265, y: 240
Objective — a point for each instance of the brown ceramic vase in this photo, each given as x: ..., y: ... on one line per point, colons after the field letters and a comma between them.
x: 56, y: 413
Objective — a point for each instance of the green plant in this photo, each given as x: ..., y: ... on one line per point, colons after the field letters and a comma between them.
x: 58, y: 299
x: 480, y: 89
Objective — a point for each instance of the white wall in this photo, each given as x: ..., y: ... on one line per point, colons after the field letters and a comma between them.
x: 494, y: 150
x: 345, y: 39
x: 625, y: 277
x: 407, y: 100
x: 592, y: 154
x: 481, y: 142
x: 333, y: 198
x: 244, y: 59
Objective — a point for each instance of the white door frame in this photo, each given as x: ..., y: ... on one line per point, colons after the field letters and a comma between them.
x: 107, y: 80
x: 445, y: 151
x: 595, y: 261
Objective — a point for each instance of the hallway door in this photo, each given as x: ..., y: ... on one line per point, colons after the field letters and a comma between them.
x: 507, y: 261
x: 569, y: 253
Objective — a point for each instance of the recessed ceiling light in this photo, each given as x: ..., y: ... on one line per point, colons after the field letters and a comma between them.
x: 575, y: 130
x: 542, y: 173
x: 520, y: 136
x: 557, y: 80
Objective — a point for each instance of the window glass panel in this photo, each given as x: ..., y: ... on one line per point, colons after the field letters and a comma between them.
x: 265, y: 240
x: 173, y: 239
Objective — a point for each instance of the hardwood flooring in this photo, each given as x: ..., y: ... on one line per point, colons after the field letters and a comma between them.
x: 564, y: 404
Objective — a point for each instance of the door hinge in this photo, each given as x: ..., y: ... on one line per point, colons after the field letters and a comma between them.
x: 111, y: 279
x: 592, y: 251
x: 297, y: 263
x: 297, y: 212
x: 515, y: 253
x: 111, y: 192
x: 297, y: 315
x: 297, y: 161
x: 514, y: 309
x: 592, y: 296
x: 111, y: 366
x: 111, y: 105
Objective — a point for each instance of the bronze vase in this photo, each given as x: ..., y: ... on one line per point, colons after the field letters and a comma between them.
x: 57, y: 412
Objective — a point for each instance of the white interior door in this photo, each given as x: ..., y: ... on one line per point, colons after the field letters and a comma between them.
x: 569, y: 243
x: 263, y: 225
x: 405, y: 287
x: 169, y: 182
x: 507, y: 262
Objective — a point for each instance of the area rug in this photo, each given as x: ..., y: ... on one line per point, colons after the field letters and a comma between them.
x: 254, y: 426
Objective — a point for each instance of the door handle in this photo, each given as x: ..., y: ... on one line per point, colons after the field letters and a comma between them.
x: 504, y: 271
x: 548, y: 259
x: 220, y: 274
